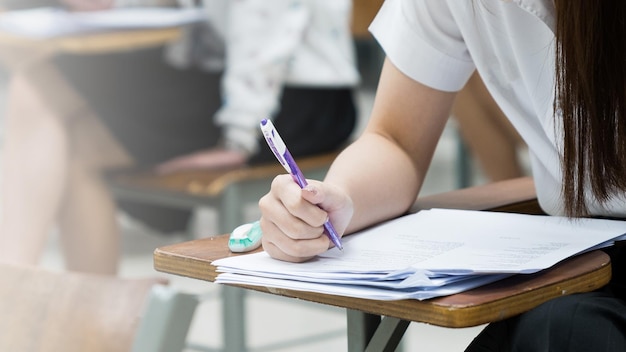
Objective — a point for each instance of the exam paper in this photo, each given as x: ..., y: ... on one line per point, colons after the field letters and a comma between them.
x: 428, y: 254
x: 362, y: 291
x: 48, y: 22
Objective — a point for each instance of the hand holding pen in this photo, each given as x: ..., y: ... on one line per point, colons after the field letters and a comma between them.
x: 283, y: 155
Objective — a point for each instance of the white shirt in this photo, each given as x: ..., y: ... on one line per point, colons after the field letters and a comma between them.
x: 511, y: 43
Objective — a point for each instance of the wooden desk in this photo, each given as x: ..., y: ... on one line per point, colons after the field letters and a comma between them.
x: 95, y: 42
x: 379, y: 325
x: 18, y: 51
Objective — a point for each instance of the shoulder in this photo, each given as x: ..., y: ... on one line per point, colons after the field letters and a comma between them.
x: 422, y: 39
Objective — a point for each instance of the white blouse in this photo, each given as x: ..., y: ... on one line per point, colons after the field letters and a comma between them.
x: 511, y: 43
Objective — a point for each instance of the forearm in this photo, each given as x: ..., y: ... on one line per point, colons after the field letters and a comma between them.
x: 384, y: 169
x: 381, y: 180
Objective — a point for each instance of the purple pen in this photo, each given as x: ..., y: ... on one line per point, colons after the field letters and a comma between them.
x: 283, y: 155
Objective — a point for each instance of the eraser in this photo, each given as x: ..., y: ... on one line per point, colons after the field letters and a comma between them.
x: 245, y: 238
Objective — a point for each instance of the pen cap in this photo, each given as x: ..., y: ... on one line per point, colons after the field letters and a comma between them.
x: 275, y: 143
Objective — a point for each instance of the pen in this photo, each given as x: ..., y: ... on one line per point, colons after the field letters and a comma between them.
x: 281, y: 152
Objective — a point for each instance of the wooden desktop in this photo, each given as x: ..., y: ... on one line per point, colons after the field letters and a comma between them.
x: 95, y: 42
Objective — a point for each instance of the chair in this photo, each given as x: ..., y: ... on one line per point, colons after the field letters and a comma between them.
x: 45, y: 311
x: 369, y: 54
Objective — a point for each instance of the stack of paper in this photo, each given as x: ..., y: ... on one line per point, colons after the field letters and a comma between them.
x: 429, y: 254
x: 41, y: 23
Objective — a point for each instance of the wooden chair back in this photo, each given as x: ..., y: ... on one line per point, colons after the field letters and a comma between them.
x: 208, y: 183
x: 363, y: 12
x: 44, y: 311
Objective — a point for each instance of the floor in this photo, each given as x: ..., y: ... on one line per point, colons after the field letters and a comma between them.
x: 274, y: 322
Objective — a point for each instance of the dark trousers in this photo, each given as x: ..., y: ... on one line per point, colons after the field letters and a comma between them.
x: 585, y: 322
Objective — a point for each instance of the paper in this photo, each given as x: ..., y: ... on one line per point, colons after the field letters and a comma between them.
x: 42, y: 23
x: 429, y: 254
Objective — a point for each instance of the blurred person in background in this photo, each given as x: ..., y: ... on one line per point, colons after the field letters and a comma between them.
x: 190, y: 105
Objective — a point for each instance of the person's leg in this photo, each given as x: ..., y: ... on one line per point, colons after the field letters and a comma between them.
x: 90, y: 235
x: 488, y: 134
x: 55, y: 151
x: 34, y: 173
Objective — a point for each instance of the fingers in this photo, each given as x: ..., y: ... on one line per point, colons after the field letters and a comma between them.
x: 289, y: 249
x: 297, y: 217
x: 292, y: 227
x: 333, y: 201
x: 292, y: 222
x: 325, y: 197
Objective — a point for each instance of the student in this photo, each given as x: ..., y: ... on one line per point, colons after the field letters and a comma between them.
x: 557, y: 71
x: 75, y: 117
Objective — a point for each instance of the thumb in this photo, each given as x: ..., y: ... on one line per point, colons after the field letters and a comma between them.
x: 325, y: 196
x: 332, y: 200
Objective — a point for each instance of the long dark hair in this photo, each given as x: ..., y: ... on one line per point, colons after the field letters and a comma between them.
x: 591, y: 98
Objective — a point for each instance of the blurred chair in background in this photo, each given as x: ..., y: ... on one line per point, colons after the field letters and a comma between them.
x: 370, y: 55
x: 45, y: 311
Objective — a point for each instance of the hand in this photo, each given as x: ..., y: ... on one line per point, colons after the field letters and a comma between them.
x: 88, y: 5
x: 205, y: 159
x: 292, y: 219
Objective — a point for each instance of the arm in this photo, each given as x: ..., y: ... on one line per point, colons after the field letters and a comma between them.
x: 395, y: 150
x: 376, y: 178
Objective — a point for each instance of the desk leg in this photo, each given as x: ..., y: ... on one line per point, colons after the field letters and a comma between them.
x: 233, y: 302
x: 361, y: 328
x: 234, y: 322
x: 368, y: 332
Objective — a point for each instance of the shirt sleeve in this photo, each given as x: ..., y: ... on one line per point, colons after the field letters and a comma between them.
x: 421, y: 38
x: 261, y: 39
